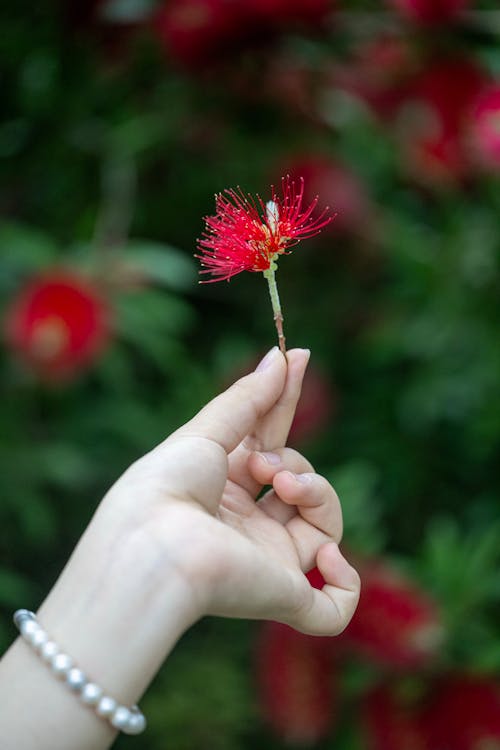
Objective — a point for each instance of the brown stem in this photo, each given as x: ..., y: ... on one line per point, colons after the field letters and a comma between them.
x: 278, y: 319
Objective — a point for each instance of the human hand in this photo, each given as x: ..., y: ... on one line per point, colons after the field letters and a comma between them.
x: 182, y: 534
x: 195, y: 495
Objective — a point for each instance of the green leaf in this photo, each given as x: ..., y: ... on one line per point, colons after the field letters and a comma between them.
x: 15, y: 589
x: 161, y: 263
x: 37, y: 518
x: 23, y: 248
x: 461, y: 568
x: 355, y: 483
x: 153, y: 320
x: 136, y: 134
x: 64, y: 464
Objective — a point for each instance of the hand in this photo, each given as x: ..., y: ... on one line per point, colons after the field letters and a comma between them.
x: 196, y: 496
x: 182, y: 534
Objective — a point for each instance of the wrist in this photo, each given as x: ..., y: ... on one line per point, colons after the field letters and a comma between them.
x: 118, y: 609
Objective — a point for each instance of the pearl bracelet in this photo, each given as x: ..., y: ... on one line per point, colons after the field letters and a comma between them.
x: 127, y: 720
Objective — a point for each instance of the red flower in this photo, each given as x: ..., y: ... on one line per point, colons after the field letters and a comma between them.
x: 433, y: 119
x: 58, y: 324
x: 465, y: 714
x: 485, y: 128
x: 430, y: 11
x: 201, y: 32
x: 378, y: 73
x: 198, y: 32
x: 315, y: 578
x: 396, y: 623
x: 392, y: 720
x: 248, y: 235
x: 454, y: 713
x: 338, y: 185
x: 296, y: 683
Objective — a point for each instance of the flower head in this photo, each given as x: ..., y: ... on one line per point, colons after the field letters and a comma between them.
x: 485, y: 128
x: 396, y: 624
x: 430, y: 12
x: 246, y: 234
x: 58, y: 324
x: 296, y: 683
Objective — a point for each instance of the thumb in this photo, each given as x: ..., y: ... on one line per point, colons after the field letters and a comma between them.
x: 232, y: 415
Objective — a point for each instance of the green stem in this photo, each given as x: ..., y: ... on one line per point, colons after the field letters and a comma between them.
x: 275, y: 301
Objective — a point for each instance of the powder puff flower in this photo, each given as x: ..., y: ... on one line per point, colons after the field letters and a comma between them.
x: 297, y: 683
x: 246, y: 234
x: 58, y: 324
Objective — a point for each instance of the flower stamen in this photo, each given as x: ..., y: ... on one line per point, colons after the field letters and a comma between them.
x: 246, y: 234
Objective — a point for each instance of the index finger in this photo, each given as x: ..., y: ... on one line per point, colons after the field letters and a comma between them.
x: 271, y: 430
x: 233, y: 414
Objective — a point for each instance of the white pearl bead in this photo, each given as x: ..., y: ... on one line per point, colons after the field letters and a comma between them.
x: 38, y: 639
x: 32, y: 633
x: 120, y: 718
x: 75, y: 679
x: 22, y: 614
x: 61, y: 664
x: 91, y: 694
x: 28, y: 627
x: 136, y: 723
x: 49, y: 650
x: 129, y: 720
x: 106, y: 706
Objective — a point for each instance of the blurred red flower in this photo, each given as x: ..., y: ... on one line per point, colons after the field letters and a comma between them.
x: 485, y: 128
x: 433, y: 118
x: 392, y: 720
x: 396, y: 623
x: 58, y: 324
x: 378, y: 73
x: 338, y: 186
x: 430, y: 12
x: 197, y: 32
x: 315, y: 578
x: 465, y: 714
x: 296, y: 683
x: 200, y: 32
x: 246, y: 234
x: 458, y: 712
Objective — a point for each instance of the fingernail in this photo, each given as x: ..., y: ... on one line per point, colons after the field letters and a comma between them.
x: 304, y: 478
x: 268, y: 359
x: 271, y: 458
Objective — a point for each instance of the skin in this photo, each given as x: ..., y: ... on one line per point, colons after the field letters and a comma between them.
x: 179, y: 536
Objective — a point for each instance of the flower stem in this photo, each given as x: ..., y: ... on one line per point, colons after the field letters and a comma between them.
x: 275, y: 301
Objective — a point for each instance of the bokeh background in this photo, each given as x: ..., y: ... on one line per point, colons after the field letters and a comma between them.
x: 121, y: 119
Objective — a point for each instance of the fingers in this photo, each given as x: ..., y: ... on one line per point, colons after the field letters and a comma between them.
x: 263, y: 467
x: 319, y: 516
x: 328, y: 611
x: 315, y: 498
x: 271, y: 430
x: 235, y: 413
x: 301, y: 500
